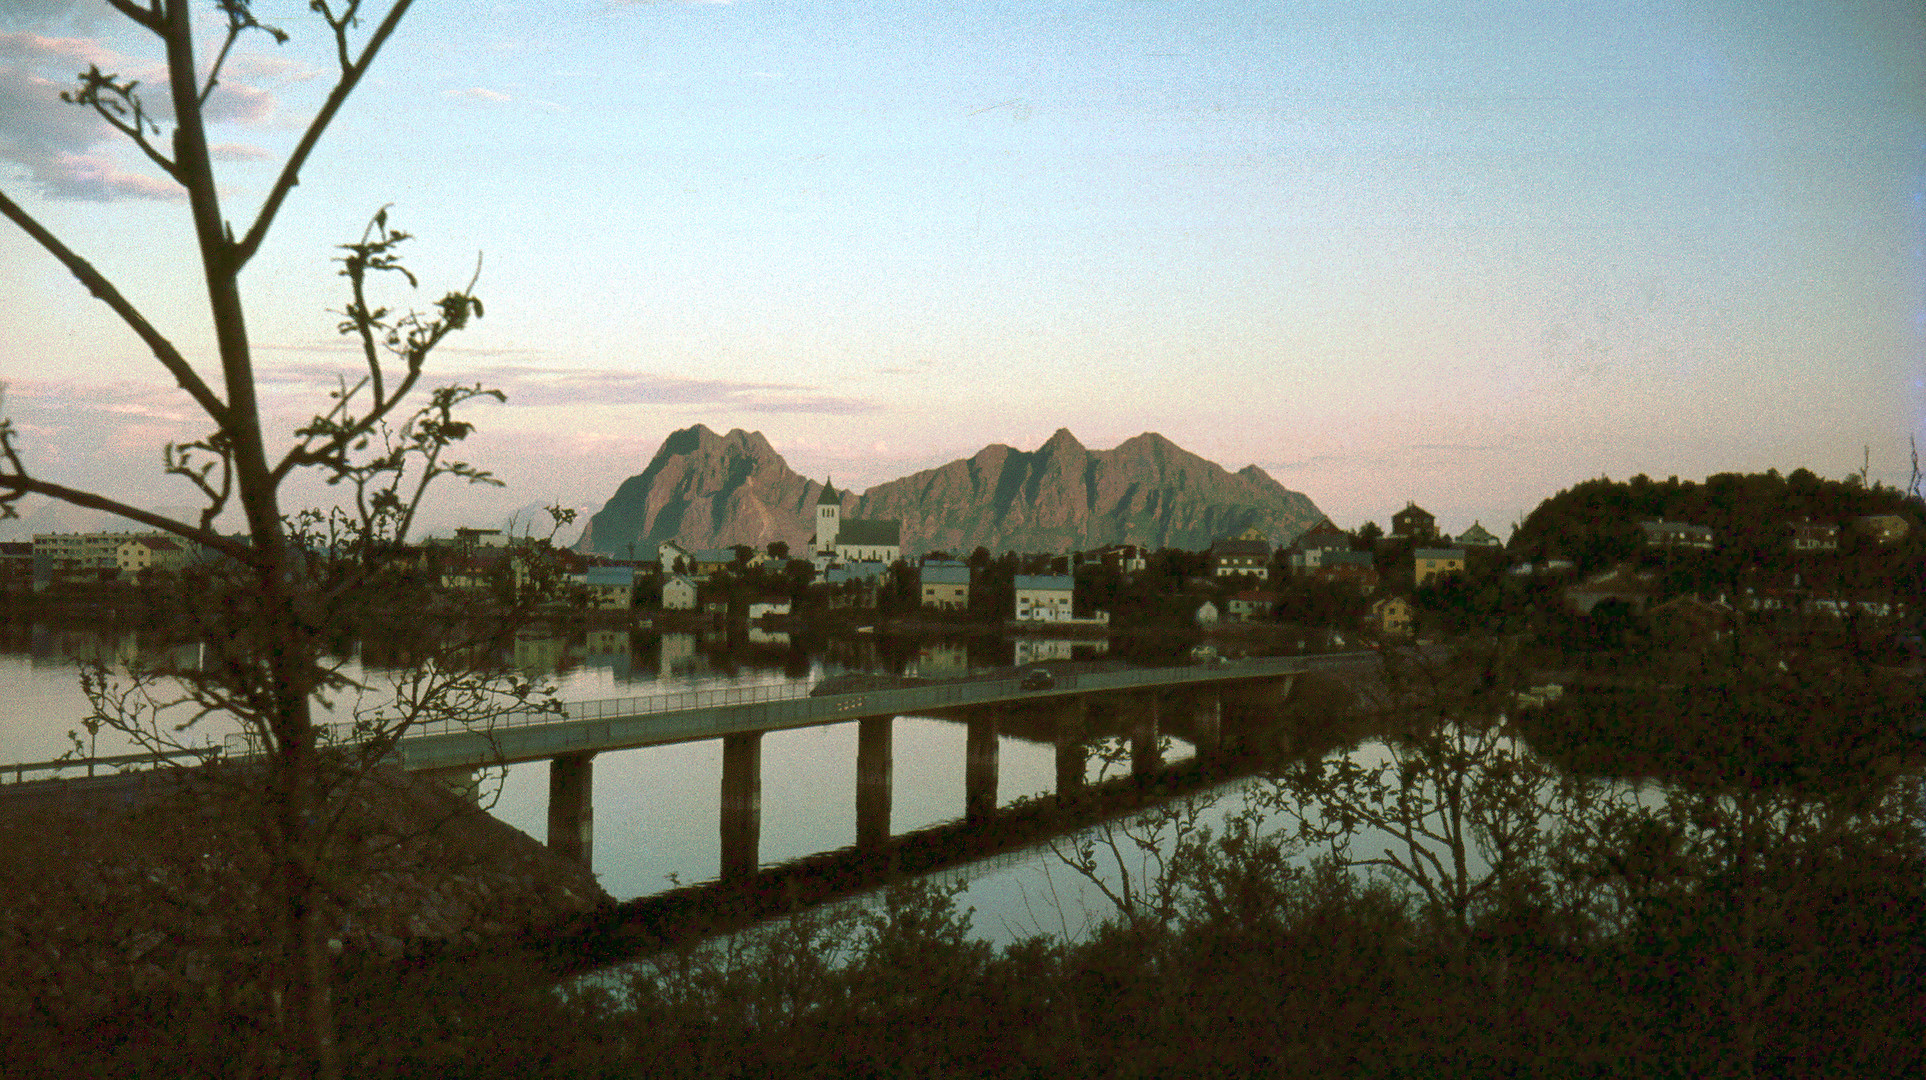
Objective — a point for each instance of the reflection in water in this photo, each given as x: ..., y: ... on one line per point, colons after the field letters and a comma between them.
x: 656, y: 810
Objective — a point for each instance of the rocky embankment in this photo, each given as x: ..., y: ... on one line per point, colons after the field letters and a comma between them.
x: 114, y: 892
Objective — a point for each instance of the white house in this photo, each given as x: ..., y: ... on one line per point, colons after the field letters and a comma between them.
x: 1044, y: 597
x: 668, y: 551
x: 678, y: 593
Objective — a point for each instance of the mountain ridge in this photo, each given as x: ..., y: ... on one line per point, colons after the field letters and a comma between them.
x: 705, y: 490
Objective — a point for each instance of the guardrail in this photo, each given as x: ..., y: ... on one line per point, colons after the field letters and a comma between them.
x: 790, y: 705
x: 17, y: 773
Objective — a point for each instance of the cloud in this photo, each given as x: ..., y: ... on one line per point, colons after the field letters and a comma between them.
x: 59, y: 146
x: 529, y: 386
x: 237, y: 152
x: 536, y: 387
x: 53, y: 143
x: 478, y: 93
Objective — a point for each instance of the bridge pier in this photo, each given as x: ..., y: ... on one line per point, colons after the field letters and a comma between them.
x: 979, y: 767
x: 1207, y: 721
x: 571, y: 807
x: 1145, y: 756
x: 874, y: 763
x: 1072, y: 752
x: 741, y: 804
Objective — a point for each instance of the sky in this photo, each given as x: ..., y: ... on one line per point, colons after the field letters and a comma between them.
x: 1464, y: 254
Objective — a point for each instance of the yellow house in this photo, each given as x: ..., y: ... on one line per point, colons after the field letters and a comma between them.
x: 1429, y: 563
x: 1392, y: 616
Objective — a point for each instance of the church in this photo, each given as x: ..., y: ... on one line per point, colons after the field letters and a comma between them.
x: 853, y: 539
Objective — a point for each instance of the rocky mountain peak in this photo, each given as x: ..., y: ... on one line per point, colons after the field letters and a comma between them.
x: 705, y: 490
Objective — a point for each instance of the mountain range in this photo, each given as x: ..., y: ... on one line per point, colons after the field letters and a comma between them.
x: 705, y: 490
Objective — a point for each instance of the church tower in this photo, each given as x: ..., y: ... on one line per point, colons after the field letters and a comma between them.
x: 829, y: 518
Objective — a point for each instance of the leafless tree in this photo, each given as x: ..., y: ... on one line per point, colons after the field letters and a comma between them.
x: 381, y: 436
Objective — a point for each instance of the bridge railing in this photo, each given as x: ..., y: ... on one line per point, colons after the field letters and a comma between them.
x: 17, y: 773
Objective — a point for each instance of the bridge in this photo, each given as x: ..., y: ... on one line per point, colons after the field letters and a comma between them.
x: 740, y: 716
x: 454, y: 753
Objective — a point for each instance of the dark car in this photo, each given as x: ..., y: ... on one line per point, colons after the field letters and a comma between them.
x: 1038, y: 679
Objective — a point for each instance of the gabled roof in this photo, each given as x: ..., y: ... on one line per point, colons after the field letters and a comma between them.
x: 1349, y: 558
x: 1438, y: 553
x: 870, y: 532
x: 610, y: 576
x: 945, y: 574
x: 1477, y: 534
x: 1240, y: 546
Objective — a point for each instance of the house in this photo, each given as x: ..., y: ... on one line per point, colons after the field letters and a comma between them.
x: 1882, y: 528
x: 1249, y: 552
x: 1392, y: 616
x: 945, y: 586
x: 1044, y: 597
x: 16, y: 564
x: 1543, y: 566
x: 1315, y: 544
x: 1676, y: 534
x: 668, y: 553
x: 1478, y: 536
x: 1125, y: 559
x: 1350, y: 568
x: 1323, y: 536
x: 767, y: 609
x: 1431, y: 563
x: 138, y: 553
x: 1811, y: 536
x: 470, y: 572
x: 610, y: 588
x: 707, y: 561
x: 1619, y: 584
x: 851, y: 540
x: 468, y: 538
x: 1413, y: 523
x: 1251, y: 605
x: 678, y: 593
x: 80, y: 556
x: 854, y: 585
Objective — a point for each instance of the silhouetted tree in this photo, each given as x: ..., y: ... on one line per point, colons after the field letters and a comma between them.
x: 375, y: 437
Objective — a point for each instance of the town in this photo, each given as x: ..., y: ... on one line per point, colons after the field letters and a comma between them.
x: 1857, y: 558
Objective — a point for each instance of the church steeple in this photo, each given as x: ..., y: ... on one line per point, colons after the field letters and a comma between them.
x: 829, y: 518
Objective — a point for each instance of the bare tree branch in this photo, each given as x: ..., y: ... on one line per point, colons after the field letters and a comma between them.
x: 97, y: 284
x: 350, y: 76
x: 149, y: 16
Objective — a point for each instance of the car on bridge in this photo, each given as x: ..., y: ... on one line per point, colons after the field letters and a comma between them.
x: 1038, y: 679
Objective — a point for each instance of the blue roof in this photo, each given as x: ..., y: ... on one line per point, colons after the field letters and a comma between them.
x: 1046, y: 581
x: 945, y: 574
x: 610, y: 575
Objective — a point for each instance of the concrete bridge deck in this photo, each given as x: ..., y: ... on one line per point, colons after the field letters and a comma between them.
x: 627, y: 723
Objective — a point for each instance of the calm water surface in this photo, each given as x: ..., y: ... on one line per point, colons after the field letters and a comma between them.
x: 657, y: 809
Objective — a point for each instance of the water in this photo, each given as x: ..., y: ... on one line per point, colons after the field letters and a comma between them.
x: 657, y: 809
